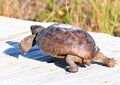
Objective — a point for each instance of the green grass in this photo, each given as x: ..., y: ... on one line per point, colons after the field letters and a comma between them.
x: 105, y: 18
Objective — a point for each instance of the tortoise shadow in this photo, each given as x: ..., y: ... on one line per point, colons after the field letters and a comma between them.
x: 36, y: 54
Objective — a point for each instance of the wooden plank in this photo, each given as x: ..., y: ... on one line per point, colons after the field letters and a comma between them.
x: 37, y: 68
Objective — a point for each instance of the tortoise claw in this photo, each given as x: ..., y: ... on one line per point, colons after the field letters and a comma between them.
x: 72, y: 70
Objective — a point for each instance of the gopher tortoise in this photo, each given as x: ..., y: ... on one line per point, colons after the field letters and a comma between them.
x: 66, y: 41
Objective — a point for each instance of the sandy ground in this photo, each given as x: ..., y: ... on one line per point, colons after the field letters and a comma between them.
x: 37, y: 68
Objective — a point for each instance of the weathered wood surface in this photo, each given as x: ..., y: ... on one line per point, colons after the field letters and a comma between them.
x: 36, y: 68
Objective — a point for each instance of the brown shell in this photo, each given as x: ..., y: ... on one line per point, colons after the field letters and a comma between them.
x: 63, y: 39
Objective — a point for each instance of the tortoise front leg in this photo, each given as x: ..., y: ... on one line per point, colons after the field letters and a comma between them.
x: 110, y: 62
x: 82, y: 61
x: 70, y: 60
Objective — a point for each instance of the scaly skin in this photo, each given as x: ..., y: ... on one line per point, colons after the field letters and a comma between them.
x: 110, y: 62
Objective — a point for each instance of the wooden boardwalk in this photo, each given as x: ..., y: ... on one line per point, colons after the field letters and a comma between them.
x: 37, y: 68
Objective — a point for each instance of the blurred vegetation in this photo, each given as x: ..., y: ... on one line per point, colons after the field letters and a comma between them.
x: 91, y: 15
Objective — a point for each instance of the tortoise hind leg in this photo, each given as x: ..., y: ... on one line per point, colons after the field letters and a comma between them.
x: 70, y: 60
x: 87, y: 62
x: 110, y: 62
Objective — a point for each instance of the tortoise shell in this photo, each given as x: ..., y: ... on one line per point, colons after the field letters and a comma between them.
x: 63, y: 39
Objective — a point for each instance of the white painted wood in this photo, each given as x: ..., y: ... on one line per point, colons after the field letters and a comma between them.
x: 34, y: 69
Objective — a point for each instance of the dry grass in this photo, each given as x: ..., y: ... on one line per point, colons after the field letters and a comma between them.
x: 92, y: 15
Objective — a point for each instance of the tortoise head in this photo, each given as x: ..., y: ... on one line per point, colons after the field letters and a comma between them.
x: 36, y: 29
x: 30, y: 41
